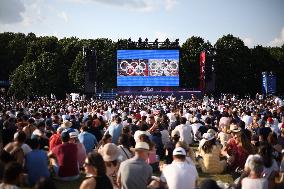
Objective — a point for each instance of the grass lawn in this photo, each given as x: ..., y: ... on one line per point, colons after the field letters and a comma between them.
x: 227, y: 178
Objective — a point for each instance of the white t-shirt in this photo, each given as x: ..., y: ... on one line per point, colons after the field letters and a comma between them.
x: 179, y: 175
x: 124, y: 153
x: 138, y: 133
x: 195, y: 127
x: 247, y: 119
x: 279, y: 102
x: 172, y: 117
x: 266, y: 171
x: 26, y: 148
x: 185, y: 133
x: 260, y: 183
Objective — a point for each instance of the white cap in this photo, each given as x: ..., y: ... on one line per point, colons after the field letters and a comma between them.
x: 179, y: 151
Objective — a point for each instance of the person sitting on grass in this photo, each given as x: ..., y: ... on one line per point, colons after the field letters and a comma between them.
x: 255, y: 179
x: 179, y: 174
x: 210, y: 155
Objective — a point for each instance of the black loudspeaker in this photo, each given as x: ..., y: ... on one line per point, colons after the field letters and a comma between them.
x: 90, y: 70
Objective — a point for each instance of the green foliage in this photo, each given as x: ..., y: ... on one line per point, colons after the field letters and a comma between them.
x: 232, y: 65
x: 76, y: 73
x: 190, y: 55
x: 44, y: 65
x: 40, y: 77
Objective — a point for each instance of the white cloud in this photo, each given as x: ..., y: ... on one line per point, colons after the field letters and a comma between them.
x: 135, y: 5
x: 278, y: 41
x: 248, y: 42
x: 11, y: 11
x: 64, y: 16
x: 33, y: 13
x: 169, y: 4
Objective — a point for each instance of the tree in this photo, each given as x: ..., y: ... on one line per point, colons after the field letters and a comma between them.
x: 277, y: 65
x: 41, y: 77
x: 189, y: 65
x: 13, y: 47
x: 76, y: 73
x: 233, y: 67
x: 21, y: 85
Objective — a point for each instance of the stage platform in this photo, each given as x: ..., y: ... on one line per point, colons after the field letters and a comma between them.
x: 149, y: 92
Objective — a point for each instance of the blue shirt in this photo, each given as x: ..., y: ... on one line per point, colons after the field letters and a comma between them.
x: 115, y: 132
x: 37, y: 165
x: 89, y: 140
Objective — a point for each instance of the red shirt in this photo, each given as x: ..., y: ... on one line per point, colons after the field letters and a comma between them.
x: 54, y: 140
x: 67, y: 160
x: 239, y: 153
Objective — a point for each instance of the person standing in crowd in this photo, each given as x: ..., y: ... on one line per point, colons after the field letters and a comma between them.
x: 143, y: 130
x: 12, y: 176
x: 66, y: 159
x: 179, y: 174
x: 115, y: 130
x: 55, y: 138
x: 36, y: 163
x: 135, y: 172
x: 29, y: 129
x: 15, y: 148
x: 96, y: 170
x: 110, y: 155
x: 81, y: 151
x: 89, y: 140
x: 124, y: 148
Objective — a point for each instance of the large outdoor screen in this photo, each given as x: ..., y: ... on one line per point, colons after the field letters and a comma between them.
x: 148, y: 68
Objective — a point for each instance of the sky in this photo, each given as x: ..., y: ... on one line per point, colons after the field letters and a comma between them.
x: 256, y: 22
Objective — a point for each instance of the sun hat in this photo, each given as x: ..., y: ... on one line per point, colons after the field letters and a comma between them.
x: 175, y: 132
x: 179, y: 151
x: 205, y: 137
x: 211, y: 131
x: 142, y: 146
x: 234, y: 128
x: 110, y: 152
x: 208, y: 136
x: 66, y: 124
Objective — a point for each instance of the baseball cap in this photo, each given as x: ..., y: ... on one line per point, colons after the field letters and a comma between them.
x: 179, y: 151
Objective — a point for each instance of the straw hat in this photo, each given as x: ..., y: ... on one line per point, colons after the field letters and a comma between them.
x: 110, y: 152
x: 66, y: 124
x: 142, y: 146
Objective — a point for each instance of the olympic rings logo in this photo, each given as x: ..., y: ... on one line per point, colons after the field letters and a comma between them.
x: 135, y: 67
x: 163, y: 67
x: 156, y: 67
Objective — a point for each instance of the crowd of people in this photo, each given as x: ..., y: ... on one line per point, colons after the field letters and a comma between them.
x: 123, y: 143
